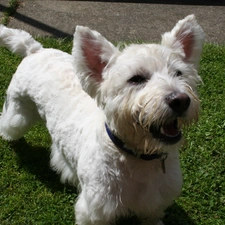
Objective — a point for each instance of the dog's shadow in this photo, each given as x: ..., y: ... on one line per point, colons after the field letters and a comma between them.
x: 36, y: 161
x: 175, y: 215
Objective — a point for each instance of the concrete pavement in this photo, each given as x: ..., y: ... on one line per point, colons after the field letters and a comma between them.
x: 116, y: 21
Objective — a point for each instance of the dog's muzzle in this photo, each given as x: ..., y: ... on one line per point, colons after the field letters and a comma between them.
x: 169, y: 132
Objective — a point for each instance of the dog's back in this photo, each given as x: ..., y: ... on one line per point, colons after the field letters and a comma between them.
x: 36, y: 77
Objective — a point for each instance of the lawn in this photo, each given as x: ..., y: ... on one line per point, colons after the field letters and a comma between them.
x: 30, y: 192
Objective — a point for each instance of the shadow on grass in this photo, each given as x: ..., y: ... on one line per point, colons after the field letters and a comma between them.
x: 176, y: 215
x: 36, y: 160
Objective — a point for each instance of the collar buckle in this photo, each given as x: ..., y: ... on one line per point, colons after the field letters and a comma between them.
x: 163, y: 158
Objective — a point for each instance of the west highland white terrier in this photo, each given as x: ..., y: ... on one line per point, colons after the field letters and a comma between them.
x: 114, y: 116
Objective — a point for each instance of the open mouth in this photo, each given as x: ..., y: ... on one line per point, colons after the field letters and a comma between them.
x: 168, y: 133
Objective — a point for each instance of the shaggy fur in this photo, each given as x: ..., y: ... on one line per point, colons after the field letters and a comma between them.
x: 143, y: 94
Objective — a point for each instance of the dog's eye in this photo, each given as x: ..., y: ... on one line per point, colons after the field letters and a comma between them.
x: 137, y: 79
x: 178, y: 73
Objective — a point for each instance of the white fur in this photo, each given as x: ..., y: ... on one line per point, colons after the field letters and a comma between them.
x: 56, y: 87
x: 18, y: 41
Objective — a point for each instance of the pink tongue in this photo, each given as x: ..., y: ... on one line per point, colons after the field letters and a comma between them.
x: 170, y: 129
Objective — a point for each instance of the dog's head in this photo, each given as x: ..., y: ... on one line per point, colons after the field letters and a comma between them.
x: 147, y: 91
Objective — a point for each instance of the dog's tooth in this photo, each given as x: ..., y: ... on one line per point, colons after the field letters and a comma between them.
x: 162, y: 130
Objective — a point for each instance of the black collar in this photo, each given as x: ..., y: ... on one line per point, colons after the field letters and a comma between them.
x: 147, y: 157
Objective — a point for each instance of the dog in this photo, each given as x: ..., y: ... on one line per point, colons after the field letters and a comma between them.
x: 115, y: 116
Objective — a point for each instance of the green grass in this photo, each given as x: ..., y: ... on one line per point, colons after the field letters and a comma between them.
x: 30, y: 192
x: 10, y: 11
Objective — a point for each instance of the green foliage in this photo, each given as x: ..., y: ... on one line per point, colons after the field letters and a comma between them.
x: 10, y: 11
x: 31, y: 193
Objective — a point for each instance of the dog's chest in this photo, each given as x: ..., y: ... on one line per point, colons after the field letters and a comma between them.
x: 144, y: 186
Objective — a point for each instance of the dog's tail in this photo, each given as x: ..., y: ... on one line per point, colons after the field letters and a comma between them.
x: 18, y: 41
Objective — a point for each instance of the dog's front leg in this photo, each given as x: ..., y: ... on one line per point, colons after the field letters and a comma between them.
x: 88, y: 213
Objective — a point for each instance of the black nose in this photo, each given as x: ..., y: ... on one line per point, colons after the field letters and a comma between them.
x: 178, y: 102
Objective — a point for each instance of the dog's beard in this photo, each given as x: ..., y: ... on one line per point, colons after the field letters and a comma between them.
x: 149, y: 127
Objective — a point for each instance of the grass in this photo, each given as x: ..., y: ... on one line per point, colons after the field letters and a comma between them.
x: 30, y: 193
x: 10, y: 11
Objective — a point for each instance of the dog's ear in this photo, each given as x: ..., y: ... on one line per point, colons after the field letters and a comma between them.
x: 91, y: 53
x: 186, y: 38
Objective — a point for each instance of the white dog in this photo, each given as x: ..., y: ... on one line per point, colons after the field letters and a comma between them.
x: 114, y: 116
